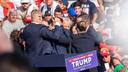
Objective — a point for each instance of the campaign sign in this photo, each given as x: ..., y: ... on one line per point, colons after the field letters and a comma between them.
x: 81, y: 62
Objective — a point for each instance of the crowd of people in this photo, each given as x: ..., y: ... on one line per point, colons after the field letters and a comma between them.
x: 33, y: 28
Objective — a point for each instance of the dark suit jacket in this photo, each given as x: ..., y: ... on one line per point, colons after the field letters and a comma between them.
x: 85, y: 42
x: 35, y: 43
x: 63, y: 42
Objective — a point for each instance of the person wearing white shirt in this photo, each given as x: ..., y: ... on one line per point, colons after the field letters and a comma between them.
x: 16, y: 3
x: 25, y: 10
x: 49, y: 5
x: 1, y: 12
x: 1, y: 16
x: 12, y: 23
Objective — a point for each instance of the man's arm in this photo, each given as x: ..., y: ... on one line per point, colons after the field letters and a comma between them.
x: 51, y: 34
x: 93, y: 11
x: 94, y: 18
x: 66, y: 37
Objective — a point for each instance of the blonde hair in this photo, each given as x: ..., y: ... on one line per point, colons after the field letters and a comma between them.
x: 34, y: 12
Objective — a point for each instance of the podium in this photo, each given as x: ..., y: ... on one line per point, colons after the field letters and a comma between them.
x: 47, y: 60
x: 49, y: 63
x: 54, y: 62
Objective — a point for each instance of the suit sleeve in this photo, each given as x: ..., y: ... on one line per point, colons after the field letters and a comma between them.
x: 65, y: 38
x: 51, y: 34
x: 97, y: 37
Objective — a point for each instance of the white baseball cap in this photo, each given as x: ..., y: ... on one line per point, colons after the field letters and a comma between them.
x: 25, y: 1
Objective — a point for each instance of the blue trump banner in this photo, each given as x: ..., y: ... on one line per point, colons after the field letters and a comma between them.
x: 81, y: 62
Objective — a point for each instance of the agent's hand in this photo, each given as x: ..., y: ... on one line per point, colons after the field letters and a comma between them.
x: 56, y: 21
x: 74, y: 30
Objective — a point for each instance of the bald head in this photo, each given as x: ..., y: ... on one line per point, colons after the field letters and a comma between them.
x: 12, y: 17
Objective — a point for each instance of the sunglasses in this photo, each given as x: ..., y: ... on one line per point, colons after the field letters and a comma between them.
x: 24, y: 3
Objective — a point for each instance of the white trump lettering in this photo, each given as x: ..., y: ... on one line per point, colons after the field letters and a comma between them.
x: 82, y: 62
